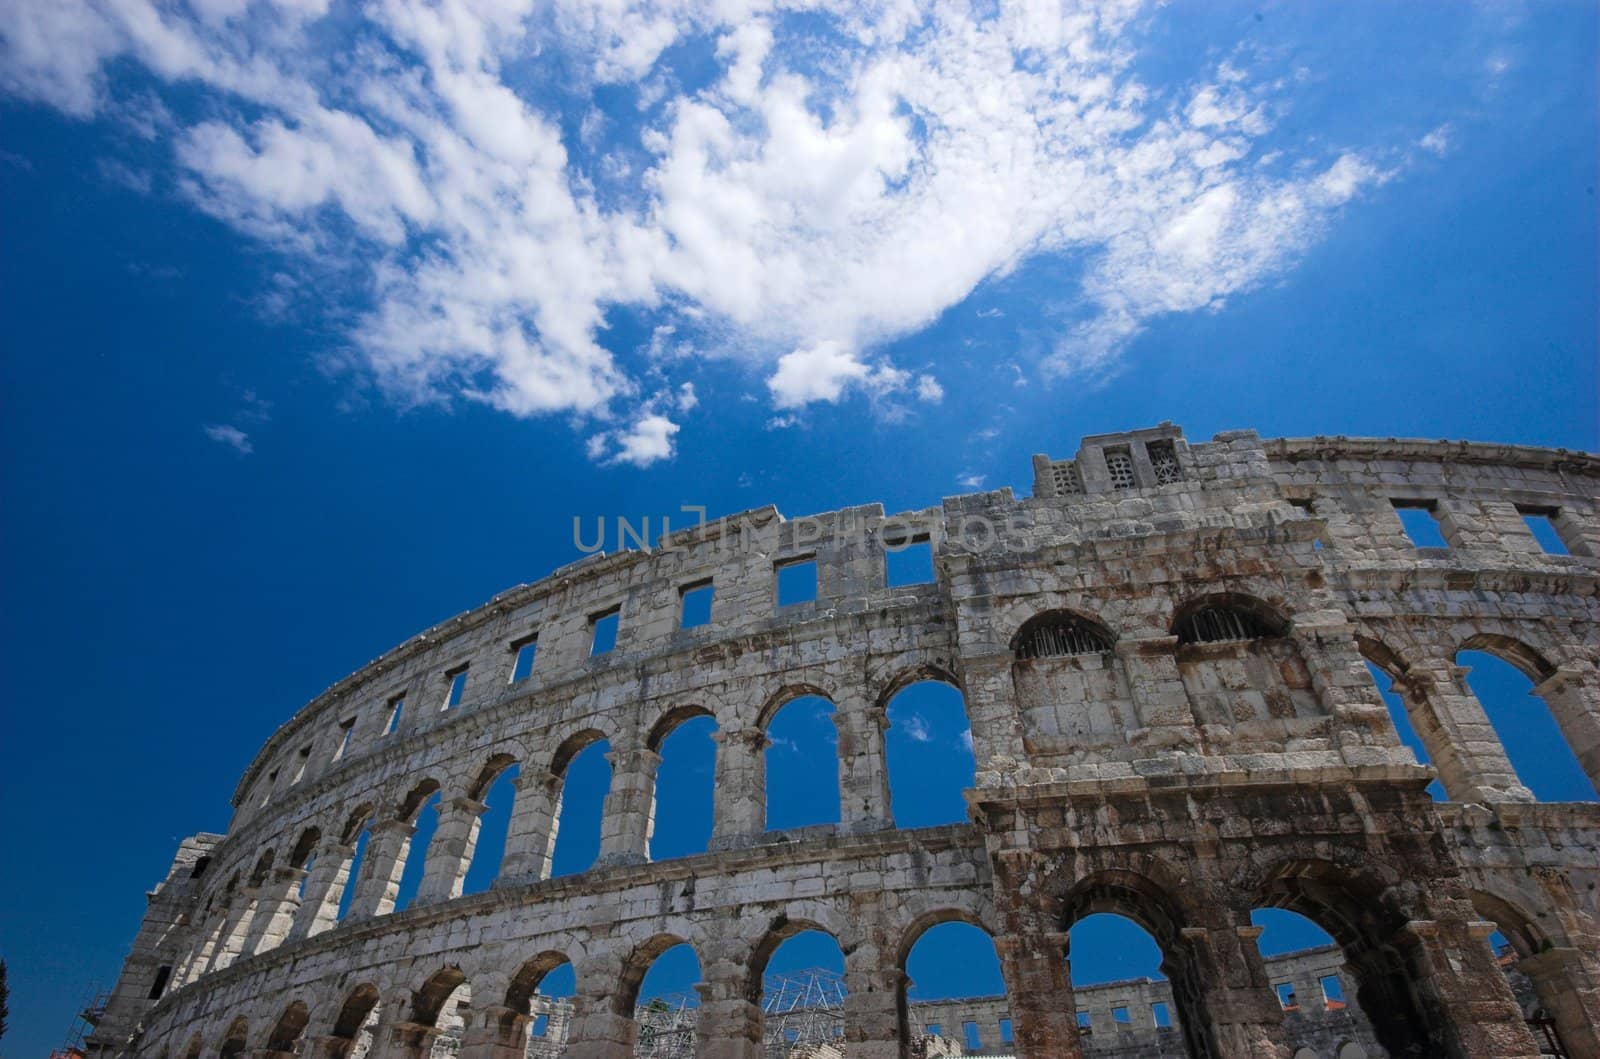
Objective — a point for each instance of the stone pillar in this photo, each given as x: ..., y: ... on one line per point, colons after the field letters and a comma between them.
x: 1468, y: 1000
x: 1244, y: 1015
x: 741, y: 788
x: 234, y: 930
x: 863, y: 767
x: 1573, y: 695
x: 992, y: 712
x: 495, y: 1032
x: 1472, y: 764
x: 730, y: 1021
x: 1568, y: 987
x: 598, y: 1030
x: 1044, y: 1013
x: 874, y: 1006
x: 531, y: 832
x: 630, y: 808
x: 325, y: 883
x: 402, y: 1040
x: 450, y: 852
x: 385, y: 862
x: 276, y: 907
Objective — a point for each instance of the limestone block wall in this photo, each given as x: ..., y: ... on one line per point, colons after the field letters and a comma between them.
x: 1193, y: 734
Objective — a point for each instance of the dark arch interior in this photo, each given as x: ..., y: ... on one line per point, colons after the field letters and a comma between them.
x: 1057, y: 633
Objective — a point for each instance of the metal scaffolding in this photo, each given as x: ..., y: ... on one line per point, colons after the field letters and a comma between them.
x: 801, y: 1012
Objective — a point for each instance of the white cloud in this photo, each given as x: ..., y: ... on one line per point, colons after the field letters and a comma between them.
x: 1438, y: 141
x: 916, y: 729
x: 971, y: 480
x: 230, y: 436
x: 805, y: 206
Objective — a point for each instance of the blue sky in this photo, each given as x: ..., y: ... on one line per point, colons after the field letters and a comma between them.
x: 322, y: 320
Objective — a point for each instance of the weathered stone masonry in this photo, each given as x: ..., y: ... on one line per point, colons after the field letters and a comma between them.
x: 1163, y: 656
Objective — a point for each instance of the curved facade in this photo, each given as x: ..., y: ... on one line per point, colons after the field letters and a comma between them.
x: 1163, y: 655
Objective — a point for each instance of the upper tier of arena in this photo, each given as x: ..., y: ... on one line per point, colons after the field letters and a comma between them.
x: 1163, y: 656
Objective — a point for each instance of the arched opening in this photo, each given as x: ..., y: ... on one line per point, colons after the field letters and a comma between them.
x: 421, y: 811
x: 685, y: 784
x: 1153, y: 911
x: 798, y: 977
x: 303, y: 854
x: 1227, y: 618
x: 1243, y: 673
x: 1060, y: 634
x: 584, y: 773
x: 657, y: 990
x: 357, y: 835
x: 443, y: 1003
x: 953, y: 990
x: 1306, y: 969
x: 1539, y: 751
x: 929, y: 754
x: 289, y: 1029
x: 357, y: 1021
x: 542, y: 990
x: 1373, y: 940
x: 802, y: 764
x: 1558, y: 1025
x: 1387, y: 671
x: 234, y: 1041
x: 1122, y: 995
x: 496, y: 788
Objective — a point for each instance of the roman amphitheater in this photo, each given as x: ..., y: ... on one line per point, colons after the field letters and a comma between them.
x: 1165, y: 655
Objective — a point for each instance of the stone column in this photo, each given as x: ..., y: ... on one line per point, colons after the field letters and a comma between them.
x: 1573, y: 695
x: 741, y: 788
x: 1471, y: 760
x: 1243, y: 1013
x: 275, y: 910
x: 1039, y: 989
x: 873, y: 1006
x: 450, y: 852
x: 495, y: 1032
x: 234, y: 930
x: 531, y: 832
x: 1463, y: 991
x: 730, y: 1021
x: 402, y: 1040
x: 992, y: 712
x: 325, y: 883
x: 598, y: 1030
x: 630, y: 808
x: 863, y: 768
x: 385, y: 861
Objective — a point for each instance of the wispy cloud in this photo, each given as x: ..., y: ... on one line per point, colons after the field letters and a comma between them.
x: 801, y: 211
x: 916, y: 729
x: 230, y: 436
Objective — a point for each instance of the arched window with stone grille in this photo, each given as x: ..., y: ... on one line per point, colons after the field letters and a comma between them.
x: 1058, y: 634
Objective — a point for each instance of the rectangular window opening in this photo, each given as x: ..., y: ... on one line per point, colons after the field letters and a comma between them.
x: 1159, y: 1012
x: 347, y: 730
x: 541, y: 1025
x: 1421, y: 521
x: 397, y: 707
x: 969, y: 1034
x: 1083, y: 1020
x: 1164, y: 461
x: 1120, y: 1016
x: 797, y: 581
x: 603, y: 631
x: 1285, y: 991
x: 908, y: 560
x: 1119, y: 465
x: 1332, y: 992
x: 1005, y: 1031
x: 457, y: 687
x: 159, y: 986
x: 526, y: 651
x: 933, y: 1029
x: 272, y: 781
x: 694, y: 604
x: 1541, y: 522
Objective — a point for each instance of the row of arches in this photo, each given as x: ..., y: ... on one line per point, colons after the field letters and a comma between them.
x: 1120, y: 925
x: 592, y: 805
